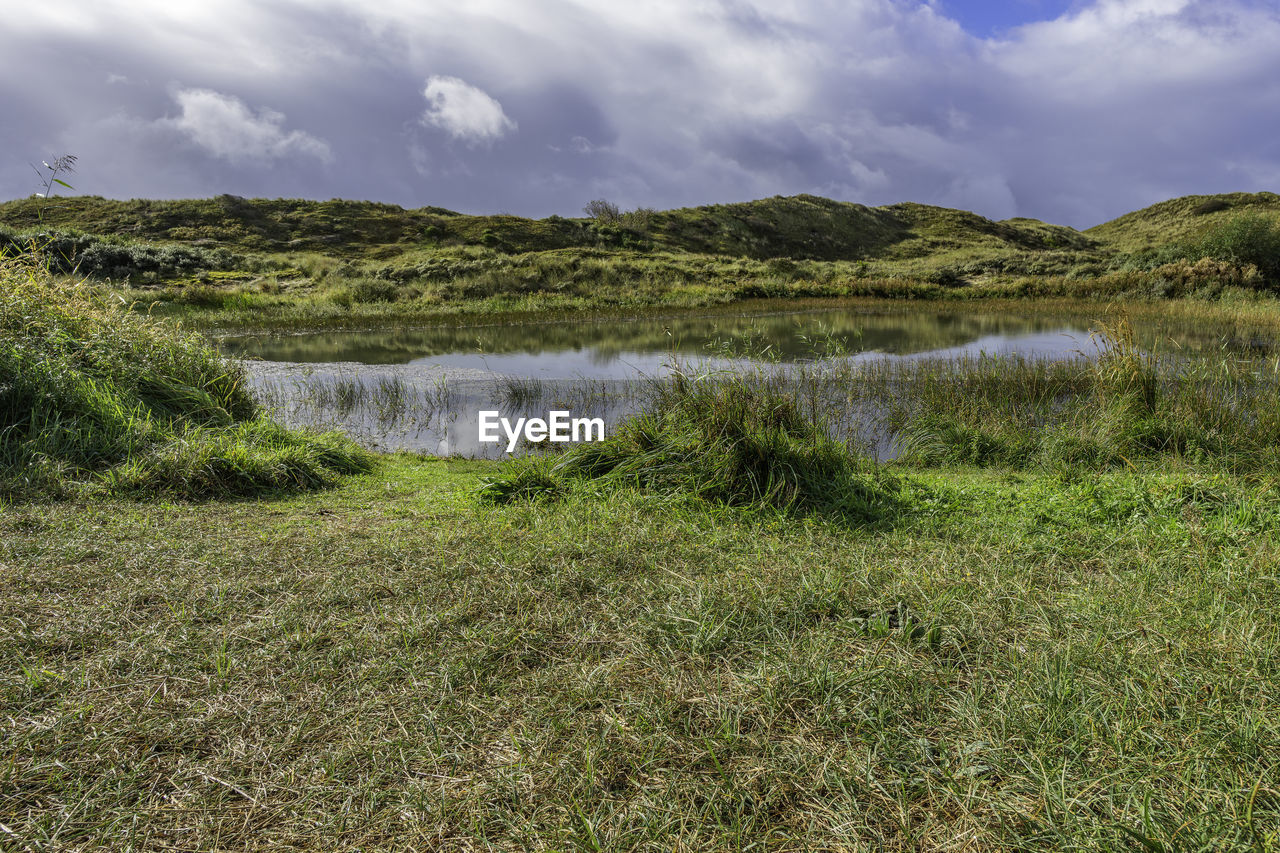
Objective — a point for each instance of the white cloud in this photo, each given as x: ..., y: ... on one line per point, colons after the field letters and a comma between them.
x: 463, y: 111
x: 667, y: 102
x: 225, y: 127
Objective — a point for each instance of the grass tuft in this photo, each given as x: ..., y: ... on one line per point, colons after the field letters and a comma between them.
x: 94, y: 397
x: 727, y: 440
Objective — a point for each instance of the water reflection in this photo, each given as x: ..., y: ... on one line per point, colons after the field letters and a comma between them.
x: 627, y: 348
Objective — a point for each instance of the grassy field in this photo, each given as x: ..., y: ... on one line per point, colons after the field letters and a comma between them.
x: 1016, y: 660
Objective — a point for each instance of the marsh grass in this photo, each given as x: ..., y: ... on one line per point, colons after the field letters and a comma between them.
x: 383, y: 403
x: 93, y: 397
x: 1125, y: 403
x: 520, y: 392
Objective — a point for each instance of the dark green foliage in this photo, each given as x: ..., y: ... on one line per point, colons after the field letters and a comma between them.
x: 945, y: 277
x: 113, y: 258
x: 92, y: 396
x: 1246, y: 239
x: 1213, y: 205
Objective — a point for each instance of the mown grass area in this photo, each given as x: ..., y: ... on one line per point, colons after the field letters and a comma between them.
x: 1017, y: 660
x: 96, y: 398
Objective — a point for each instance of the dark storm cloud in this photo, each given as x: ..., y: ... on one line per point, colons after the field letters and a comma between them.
x: 535, y: 108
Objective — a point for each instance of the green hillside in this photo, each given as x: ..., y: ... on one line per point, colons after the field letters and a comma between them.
x: 1181, y: 219
x: 800, y: 227
x: 229, y: 261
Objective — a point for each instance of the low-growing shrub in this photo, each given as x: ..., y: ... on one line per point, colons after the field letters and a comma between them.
x: 1248, y: 239
x: 98, y: 257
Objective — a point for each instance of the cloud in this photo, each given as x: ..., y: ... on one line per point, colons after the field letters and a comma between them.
x: 225, y: 127
x: 663, y: 103
x: 463, y: 111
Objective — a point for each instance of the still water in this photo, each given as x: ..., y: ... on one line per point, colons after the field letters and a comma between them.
x: 626, y: 349
x: 423, y: 389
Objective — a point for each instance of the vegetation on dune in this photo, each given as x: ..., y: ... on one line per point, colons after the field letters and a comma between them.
x: 798, y: 227
x: 95, y: 397
x: 236, y: 262
x: 115, y: 258
x: 1181, y: 220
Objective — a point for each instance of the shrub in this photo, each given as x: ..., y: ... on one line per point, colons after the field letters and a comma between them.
x: 945, y: 277
x: 603, y: 211
x: 98, y: 257
x: 1247, y: 239
x: 367, y: 290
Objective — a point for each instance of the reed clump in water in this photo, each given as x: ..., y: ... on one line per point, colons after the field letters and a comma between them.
x: 1127, y: 404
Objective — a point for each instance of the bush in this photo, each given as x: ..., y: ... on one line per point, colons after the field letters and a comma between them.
x: 97, y: 257
x: 1247, y: 239
x: 945, y: 277
x: 603, y: 211
x: 367, y: 290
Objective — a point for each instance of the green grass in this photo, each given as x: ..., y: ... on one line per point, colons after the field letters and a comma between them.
x: 1052, y: 626
x: 1022, y: 661
x: 798, y: 227
x: 1181, y: 219
x: 93, y: 397
x: 696, y: 644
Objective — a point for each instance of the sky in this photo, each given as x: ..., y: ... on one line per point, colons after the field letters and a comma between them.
x: 1070, y: 111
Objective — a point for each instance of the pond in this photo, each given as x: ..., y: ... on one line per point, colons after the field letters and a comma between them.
x: 423, y: 389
